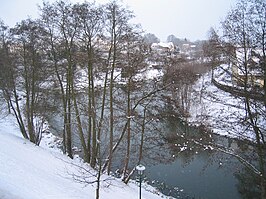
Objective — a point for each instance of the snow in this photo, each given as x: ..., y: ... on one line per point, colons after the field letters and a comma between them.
x: 28, y: 171
x: 219, y: 110
x: 149, y: 74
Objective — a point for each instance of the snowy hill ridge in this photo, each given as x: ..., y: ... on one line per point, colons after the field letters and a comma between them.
x: 31, y: 172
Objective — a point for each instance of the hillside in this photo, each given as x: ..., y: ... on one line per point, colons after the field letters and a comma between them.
x: 31, y: 172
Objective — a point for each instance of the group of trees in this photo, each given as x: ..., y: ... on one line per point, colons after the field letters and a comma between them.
x: 49, y: 67
x: 243, y: 45
x: 62, y: 68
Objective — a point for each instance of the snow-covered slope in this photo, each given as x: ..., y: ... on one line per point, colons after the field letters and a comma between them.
x: 218, y: 110
x: 31, y: 172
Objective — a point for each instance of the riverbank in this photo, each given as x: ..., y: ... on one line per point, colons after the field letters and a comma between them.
x: 217, y: 110
x: 29, y: 172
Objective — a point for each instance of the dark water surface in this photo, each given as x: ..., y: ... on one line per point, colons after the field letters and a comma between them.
x: 195, y: 179
x: 188, y: 171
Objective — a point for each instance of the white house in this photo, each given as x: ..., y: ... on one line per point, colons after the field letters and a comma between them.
x: 168, y: 49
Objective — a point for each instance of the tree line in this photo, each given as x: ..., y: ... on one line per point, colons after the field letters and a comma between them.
x: 49, y: 66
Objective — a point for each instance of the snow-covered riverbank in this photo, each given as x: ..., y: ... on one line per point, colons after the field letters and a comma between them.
x: 218, y: 110
x: 31, y: 172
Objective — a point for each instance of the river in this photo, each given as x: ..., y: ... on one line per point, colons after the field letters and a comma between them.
x: 182, y: 169
x: 194, y: 180
x: 174, y: 163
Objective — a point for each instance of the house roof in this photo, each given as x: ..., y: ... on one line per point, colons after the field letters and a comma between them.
x: 168, y: 45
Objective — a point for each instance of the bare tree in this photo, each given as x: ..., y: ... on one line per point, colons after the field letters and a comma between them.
x: 117, y: 22
x: 62, y: 25
x: 150, y: 38
x: 244, y: 34
x: 91, y: 20
x: 26, y: 76
x: 9, y: 78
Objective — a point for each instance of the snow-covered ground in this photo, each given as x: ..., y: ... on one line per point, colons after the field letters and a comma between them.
x: 31, y: 172
x: 223, y: 113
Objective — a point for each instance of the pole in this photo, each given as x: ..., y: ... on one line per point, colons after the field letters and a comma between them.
x: 140, y: 185
x: 140, y: 168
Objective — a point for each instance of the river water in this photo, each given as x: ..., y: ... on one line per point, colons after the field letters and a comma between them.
x: 196, y: 179
x: 174, y: 163
x: 184, y: 170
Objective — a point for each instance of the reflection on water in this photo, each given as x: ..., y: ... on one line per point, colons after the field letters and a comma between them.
x: 248, y: 185
x: 195, y: 171
x: 180, y: 168
x: 194, y: 180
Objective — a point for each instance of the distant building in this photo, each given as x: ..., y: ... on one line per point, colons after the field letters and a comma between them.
x: 253, y: 72
x: 167, y: 49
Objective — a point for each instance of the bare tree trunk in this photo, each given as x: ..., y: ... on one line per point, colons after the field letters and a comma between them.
x: 80, y: 130
x: 128, y: 130
x: 99, y: 173
x: 18, y: 115
x: 93, y: 118
x: 114, y: 41
x: 68, y: 116
x: 126, y: 125
x: 142, y: 134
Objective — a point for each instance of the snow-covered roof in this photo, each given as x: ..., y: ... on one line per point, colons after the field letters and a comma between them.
x: 168, y: 45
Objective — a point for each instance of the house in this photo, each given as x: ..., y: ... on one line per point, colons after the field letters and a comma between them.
x: 253, y: 70
x: 167, y: 49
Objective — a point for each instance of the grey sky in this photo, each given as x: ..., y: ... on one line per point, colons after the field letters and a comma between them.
x: 189, y: 19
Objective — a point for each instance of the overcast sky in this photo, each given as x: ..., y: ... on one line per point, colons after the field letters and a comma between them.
x: 189, y: 19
